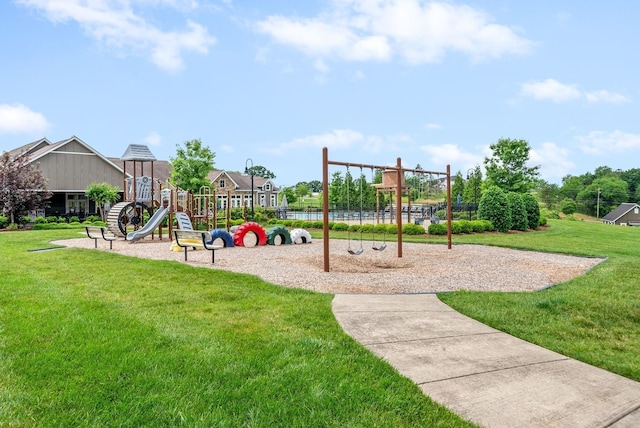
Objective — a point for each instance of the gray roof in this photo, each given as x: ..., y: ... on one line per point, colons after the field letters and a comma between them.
x: 620, y: 211
x: 138, y: 152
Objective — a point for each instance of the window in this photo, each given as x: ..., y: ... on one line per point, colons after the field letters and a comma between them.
x: 267, y: 186
x: 635, y: 211
x: 222, y: 184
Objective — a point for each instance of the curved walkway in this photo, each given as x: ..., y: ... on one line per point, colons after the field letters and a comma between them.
x: 482, y: 374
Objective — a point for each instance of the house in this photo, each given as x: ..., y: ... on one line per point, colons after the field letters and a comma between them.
x: 234, y: 189
x: 627, y: 214
x: 71, y: 165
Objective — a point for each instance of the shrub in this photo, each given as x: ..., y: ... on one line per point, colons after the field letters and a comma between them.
x: 12, y: 226
x: 76, y: 219
x: 52, y: 219
x: 297, y: 223
x: 93, y: 218
x: 3, y: 222
x: 543, y: 221
x: 437, y: 229
x: 494, y: 207
x: 533, y: 210
x: 340, y: 226
x: 380, y: 228
x: 307, y: 224
x: 549, y: 214
x: 488, y: 226
x: 317, y: 225
x: 412, y: 229
x: 465, y: 226
x: 477, y: 226
x: 367, y: 228
x: 392, y: 229
x: 354, y: 228
x: 518, y: 211
x: 568, y: 206
x: 61, y: 220
x: 40, y: 220
x: 455, y: 228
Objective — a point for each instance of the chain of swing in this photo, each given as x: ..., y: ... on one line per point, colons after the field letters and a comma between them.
x: 357, y: 250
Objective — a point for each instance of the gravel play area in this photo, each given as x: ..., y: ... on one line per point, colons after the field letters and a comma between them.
x: 423, y: 268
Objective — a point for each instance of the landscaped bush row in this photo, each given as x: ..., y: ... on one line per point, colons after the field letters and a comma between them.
x: 72, y: 225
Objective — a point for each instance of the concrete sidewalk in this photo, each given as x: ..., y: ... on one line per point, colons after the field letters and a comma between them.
x: 482, y: 374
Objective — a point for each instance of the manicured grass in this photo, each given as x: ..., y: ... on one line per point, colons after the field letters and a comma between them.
x: 594, y: 318
x: 91, y: 338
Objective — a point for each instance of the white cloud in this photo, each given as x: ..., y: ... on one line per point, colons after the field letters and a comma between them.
x: 343, y: 139
x: 451, y: 154
x: 602, y: 143
x: 417, y: 31
x: 553, y: 160
x: 550, y: 89
x: 17, y: 119
x: 433, y: 126
x: 336, y: 139
x: 553, y: 90
x: 117, y: 25
x: 153, y: 139
x: 605, y: 97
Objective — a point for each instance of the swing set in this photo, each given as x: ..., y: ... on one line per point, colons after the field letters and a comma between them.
x: 398, y: 172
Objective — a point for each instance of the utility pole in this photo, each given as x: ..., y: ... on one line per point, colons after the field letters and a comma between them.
x: 598, y: 205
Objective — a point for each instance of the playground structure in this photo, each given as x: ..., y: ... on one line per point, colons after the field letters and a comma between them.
x: 139, y: 193
x: 393, y: 182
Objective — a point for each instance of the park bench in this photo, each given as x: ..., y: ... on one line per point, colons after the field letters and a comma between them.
x: 98, y: 232
x: 192, y: 239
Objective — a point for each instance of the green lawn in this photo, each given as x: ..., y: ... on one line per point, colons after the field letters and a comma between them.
x: 90, y: 338
x: 594, y: 318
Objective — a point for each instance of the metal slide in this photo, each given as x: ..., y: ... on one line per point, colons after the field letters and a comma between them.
x: 151, y: 225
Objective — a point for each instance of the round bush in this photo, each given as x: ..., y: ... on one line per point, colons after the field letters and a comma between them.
x: 367, y: 228
x: 354, y: 228
x: 533, y: 210
x: 477, y: 226
x: 494, y: 207
x: 392, y: 229
x: 437, y: 229
x: 412, y: 229
x: 380, y: 228
x: 456, y: 228
x: 518, y: 212
x: 340, y: 226
x: 465, y: 226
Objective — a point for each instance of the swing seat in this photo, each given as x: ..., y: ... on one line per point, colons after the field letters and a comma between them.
x: 355, y: 252
x: 380, y: 248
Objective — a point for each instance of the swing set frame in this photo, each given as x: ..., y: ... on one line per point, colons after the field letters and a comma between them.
x: 400, y: 170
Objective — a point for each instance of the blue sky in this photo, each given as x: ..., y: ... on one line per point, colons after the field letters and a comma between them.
x: 434, y: 83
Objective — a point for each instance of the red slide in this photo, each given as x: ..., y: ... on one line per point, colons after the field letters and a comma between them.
x: 244, y: 228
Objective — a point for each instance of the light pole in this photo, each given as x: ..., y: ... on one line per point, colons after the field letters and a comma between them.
x: 247, y: 171
x: 471, y: 171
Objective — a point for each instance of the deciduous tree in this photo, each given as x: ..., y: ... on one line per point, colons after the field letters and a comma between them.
x: 191, y: 165
x: 102, y: 193
x: 22, y: 186
x: 507, y: 167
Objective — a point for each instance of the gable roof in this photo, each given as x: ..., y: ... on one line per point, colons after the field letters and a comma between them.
x: 30, y: 147
x: 138, y: 152
x: 620, y: 211
x: 242, y: 181
x: 46, y: 149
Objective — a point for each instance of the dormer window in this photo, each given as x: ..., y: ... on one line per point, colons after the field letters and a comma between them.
x: 222, y: 184
x: 267, y: 187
